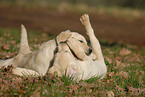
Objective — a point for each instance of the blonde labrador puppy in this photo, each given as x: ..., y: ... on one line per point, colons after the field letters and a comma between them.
x: 73, y: 57
x: 34, y: 63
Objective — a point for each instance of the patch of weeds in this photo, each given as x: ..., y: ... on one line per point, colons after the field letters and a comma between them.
x: 92, y: 80
x: 124, y: 78
x: 67, y: 80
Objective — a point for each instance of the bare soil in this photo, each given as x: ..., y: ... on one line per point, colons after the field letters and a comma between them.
x: 107, y: 27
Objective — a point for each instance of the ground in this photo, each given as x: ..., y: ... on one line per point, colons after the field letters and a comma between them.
x: 107, y: 27
x: 125, y: 65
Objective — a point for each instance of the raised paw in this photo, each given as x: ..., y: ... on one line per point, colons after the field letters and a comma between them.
x: 85, y: 19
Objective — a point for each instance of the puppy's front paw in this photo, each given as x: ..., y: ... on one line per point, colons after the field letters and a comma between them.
x: 85, y: 19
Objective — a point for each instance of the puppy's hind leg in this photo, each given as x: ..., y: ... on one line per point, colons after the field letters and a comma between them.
x: 64, y: 63
x: 94, y: 41
x: 24, y: 46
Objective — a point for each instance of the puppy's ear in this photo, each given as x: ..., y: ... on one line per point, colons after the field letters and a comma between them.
x: 63, y: 36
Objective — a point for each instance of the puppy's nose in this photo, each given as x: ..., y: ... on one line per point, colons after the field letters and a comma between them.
x: 90, y: 51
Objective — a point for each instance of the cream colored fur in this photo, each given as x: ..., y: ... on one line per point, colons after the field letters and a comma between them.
x: 84, y: 66
x: 36, y: 62
x: 73, y: 58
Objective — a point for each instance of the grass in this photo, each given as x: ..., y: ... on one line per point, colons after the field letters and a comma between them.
x: 125, y: 76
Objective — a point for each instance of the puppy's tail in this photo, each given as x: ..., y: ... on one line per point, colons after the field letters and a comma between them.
x: 24, y: 46
x: 6, y: 63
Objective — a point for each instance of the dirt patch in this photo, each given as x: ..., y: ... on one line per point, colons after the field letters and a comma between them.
x: 110, y: 28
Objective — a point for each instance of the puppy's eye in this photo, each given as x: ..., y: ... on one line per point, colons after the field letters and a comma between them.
x: 81, y: 41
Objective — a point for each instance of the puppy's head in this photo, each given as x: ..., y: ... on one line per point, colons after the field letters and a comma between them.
x: 80, y: 40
